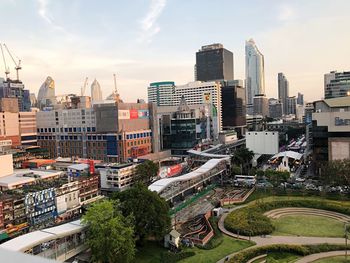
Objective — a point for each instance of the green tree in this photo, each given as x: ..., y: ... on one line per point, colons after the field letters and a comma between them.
x: 110, y: 235
x: 146, y: 171
x: 336, y: 172
x: 236, y: 170
x: 150, y: 211
x: 277, y: 177
x: 243, y: 157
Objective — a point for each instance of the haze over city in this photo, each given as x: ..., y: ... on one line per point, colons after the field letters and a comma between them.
x: 156, y: 40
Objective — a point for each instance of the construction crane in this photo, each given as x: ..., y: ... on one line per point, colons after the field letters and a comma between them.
x: 116, y: 95
x: 17, y: 64
x: 83, y: 88
x: 7, y: 70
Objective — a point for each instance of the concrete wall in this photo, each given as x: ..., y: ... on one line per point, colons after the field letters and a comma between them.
x: 262, y: 142
x: 6, y: 164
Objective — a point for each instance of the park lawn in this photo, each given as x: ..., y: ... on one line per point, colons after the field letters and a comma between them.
x: 308, y: 225
x: 339, y: 259
x: 149, y: 253
x: 227, y: 247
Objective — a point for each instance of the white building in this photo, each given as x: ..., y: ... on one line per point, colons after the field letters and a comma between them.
x: 254, y: 71
x: 116, y: 177
x: 262, y: 142
x: 195, y: 93
x: 96, y: 92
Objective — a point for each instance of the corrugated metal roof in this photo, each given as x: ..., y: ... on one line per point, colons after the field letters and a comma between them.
x: 338, y: 102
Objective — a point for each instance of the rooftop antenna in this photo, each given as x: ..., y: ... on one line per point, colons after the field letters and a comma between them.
x: 7, y: 70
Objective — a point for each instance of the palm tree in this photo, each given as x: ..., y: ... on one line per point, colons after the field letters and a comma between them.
x: 242, y: 157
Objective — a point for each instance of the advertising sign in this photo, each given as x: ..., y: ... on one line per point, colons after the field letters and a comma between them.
x: 123, y: 114
x: 206, y: 97
x: 143, y: 114
x: 134, y: 114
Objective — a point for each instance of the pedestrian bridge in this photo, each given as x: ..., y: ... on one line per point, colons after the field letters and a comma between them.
x: 169, y: 188
x: 59, y: 243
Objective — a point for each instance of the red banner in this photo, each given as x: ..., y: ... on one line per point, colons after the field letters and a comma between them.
x: 91, y: 167
x: 134, y: 114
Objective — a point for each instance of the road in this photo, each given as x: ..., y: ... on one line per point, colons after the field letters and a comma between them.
x: 270, y: 240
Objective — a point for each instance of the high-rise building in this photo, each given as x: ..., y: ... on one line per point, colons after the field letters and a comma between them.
x: 291, y: 105
x: 254, y: 71
x: 336, y: 84
x: 214, y: 62
x: 15, y: 89
x: 300, y: 99
x: 46, y: 95
x: 261, y: 105
x: 161, y: 93
x: 233, y: 106
x: 195, y: 93
x: 275, y: 108
x: 96, y: 92
x: 283, y: 90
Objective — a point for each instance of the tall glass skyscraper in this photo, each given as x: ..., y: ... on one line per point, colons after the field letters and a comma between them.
x: 254, y: 72
x: 283, y: 90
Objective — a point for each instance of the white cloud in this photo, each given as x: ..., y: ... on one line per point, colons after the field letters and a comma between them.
x: 149, y: 24
x: 44, y: 13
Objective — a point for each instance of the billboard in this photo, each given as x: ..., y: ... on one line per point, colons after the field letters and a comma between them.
x: 133, y: 114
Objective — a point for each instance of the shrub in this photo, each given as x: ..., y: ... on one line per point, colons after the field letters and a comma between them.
x: 251, y: 221
x: 303, y: 250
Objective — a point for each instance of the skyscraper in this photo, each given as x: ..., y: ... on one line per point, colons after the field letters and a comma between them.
x: 283, y: 90
x: 336, y: 84
x: 46, y: 95
x: 214, y: 62
x: 96, y: 93
x: 300, y: 99
x: 254, y: 71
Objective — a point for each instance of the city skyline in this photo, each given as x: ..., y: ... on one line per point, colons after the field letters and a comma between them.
x: 70, y: 41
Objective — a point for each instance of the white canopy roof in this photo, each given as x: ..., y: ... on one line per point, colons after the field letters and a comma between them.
x: 161, y: 184
x: 209, y: 155
x: 32, y: 239
x: 289, y: 154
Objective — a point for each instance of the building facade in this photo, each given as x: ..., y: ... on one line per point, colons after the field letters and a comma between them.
x: 254, y: 71
x: 291, y: 105
x: 275, y: 108
x: 331, y: 130
x: 96, y: 92
x: 336, y: 84
x: 214, y: 62
x: 261, y: 105
x: 15, y: 89
x: 46, y: 94
x: 161, y: 93
x: 283, y: 90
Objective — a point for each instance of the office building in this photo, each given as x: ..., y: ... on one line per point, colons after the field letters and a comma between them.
x: 254, y: 72
x: 300, y: 99
x: 233, y: 106
x: 283, y: 90
x: 291, y: 103
x: 275, y: 108
x: 309, y: 109
x: 214, y: 62
x: 161, y: 93
x: 336, y: 84
x: 109, y: 131
x: 261, y: 105
x: 96, y: 92
x: 195, y: 93
x: 330, y: 130
x: 46, y: 94
x: 171, y: 133
x: 15, y: 89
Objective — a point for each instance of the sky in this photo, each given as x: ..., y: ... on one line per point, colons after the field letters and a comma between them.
x: 144, y: 41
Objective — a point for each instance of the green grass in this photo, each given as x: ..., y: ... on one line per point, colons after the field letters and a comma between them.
x: 281, y: 257
x: 152, y: 252
x: 228, y: 246
x: 308, y: 225
x: 149, y: 253
x: 339, y: 259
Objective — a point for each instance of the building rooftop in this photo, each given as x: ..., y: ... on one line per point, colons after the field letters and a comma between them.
x: 79, y: 166
x: 338, y: 102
